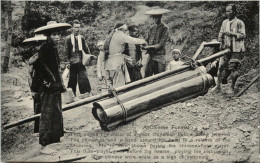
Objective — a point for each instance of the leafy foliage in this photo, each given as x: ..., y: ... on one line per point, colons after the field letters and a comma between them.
x: 193, y: 22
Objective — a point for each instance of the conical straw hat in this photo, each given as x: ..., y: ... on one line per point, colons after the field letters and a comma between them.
x: 36, y: 38
x: 52, y: 26
x: 157, y: 11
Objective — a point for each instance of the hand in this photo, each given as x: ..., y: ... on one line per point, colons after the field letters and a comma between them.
x: 222, y: 46
x: 145, y: 43
x: 47, y: 84
x: 101, y: 78
x: 229, y: 33
x: 33, y: 94
x: 147, y: 47
x: 139, y: 63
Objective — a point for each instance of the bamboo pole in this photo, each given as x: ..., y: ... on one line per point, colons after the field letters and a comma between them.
x: 198, y: 51
x: 122, y: 89
x: 249, y: 85
x: 205, y: 44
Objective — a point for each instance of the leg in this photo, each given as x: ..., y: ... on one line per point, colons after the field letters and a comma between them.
x: 213, y: 68
x: 155, y: 68
x: 234, y: 78
x: 131, y: 73
x: 223, y: 62
x: 37, y: 110
x: 137, y: 73
x: 226, y: 74
x: 109, y: 80
x: 118, y: 78
x: 84, y: 84
x: 73, y: 77
x: 149, y: 68
x: 161, y: 67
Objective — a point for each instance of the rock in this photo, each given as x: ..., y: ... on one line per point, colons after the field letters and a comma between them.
x: 23, y: 64
x: 16, y: 88
x: 245, y: 128
x: 205, y: 127
x: 190, y: 104
x: 96, y: 157
x: 19, y: 100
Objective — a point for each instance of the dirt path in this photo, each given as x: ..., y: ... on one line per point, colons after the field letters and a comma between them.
x: 196, y: 119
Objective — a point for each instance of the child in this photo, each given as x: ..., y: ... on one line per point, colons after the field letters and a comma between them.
x: 175, y: 62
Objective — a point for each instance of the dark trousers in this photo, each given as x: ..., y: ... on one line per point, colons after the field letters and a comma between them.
x: 78, y: 75
x: 153, y: 68
x: 134, y: 73
x: 37, y: 109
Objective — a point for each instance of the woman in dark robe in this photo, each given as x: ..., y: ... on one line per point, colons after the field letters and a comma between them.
x: 35, y: 77
x: 51, y: 120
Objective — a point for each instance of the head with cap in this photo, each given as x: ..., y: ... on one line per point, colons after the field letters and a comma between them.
x: 234, y: 64
x: 133, y: 30
x: 76, y: 27
x: 121, y: 26
x: 176, y: 54
x: 100, y: 45
x: 231, y: 11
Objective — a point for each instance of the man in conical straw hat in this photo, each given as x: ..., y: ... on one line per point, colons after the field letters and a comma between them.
x: 75, y: 47
x: 51, y: 121
x: 35, y: 78
x: 156, y: 38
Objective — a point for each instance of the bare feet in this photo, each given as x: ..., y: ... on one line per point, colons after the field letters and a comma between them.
x: 216, y: 89
x: 230, y: 91
x: 48, y: 151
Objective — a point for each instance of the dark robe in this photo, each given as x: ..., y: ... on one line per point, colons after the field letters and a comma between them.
x: 51, y: 120
x: 133, y: 69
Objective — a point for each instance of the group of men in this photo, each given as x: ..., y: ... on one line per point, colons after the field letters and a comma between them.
x: 119, y: 61
x: 154, y: 44
x: 231, y: 36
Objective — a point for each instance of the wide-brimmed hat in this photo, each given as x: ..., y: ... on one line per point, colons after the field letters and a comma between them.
x: 52, y: 26
x: 36, y: 38
x: 157, y: 11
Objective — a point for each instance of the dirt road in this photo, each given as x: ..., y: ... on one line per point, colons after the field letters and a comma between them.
x: 159, y: 133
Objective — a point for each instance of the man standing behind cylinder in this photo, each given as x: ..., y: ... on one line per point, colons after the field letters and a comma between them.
x: 135, y: 53
x: 75, y: 44
x: 156, y: 39
x: 231, y: 35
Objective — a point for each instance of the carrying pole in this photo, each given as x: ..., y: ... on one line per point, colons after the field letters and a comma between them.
x: 249, y: 85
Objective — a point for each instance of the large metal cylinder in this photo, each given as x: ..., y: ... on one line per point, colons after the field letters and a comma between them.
x: 137, y: 102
